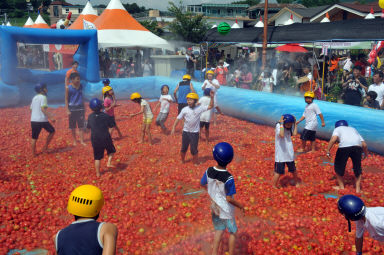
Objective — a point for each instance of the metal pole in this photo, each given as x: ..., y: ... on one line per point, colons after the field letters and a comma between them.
x: 264, y: 57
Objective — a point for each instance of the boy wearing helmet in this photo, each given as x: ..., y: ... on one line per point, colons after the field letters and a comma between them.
x: 85, y: 235
x: 40, y: 117
x: 181, y: 91
x: 369, y: 219
x: 284, y: 154
x: 310, y: 115
x: 164, y: 102
x: 221, y: 189
x: 351, y: 145
x: 191, y: 116
x: 100, y: 123
x: 147, y: 116
x: 109, y: 107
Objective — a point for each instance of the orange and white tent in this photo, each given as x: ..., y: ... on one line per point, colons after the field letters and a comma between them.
x: 29, y: 22
x: 40, y: 23
x: 88, y: 14
x: 117, y: 28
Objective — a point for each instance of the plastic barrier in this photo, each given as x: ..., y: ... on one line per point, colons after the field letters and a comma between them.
x: 255, y: 106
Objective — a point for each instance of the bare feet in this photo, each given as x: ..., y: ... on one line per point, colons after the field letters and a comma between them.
x: 300, y: 150
x: 98, y: 174
x: 111, y: 166
x: 83, y: 143
x: 74, y: 143
x: 358, y: 190
x: 337, y: 187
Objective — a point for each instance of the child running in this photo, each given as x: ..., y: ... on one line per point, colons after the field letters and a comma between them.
x: 284, y: 154
x: 191, y: 115
x: 100, y: 123
x: 74, y: 104
x: 86, y: 235
x: 310, y: 115
x: 221, y: 189
x: 147, y: 116
x: 164, y: 102
x: 206, y: 116
x: 40, y: 116
x: 109, y: 107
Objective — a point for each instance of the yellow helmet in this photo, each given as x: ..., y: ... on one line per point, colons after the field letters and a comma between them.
x: 210, y: 72
x: 106, y: 89
x: 135, y: 96
x: 85, y: 201
x: 193, y: 96
x: 187, y: 77
x: 309, y: 94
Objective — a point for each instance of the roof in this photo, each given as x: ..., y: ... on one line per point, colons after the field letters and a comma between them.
x: 60, y: 3
x: 275, y: 6
x: 337, y: 31
x: 359, y: 9
x: 226, y: 5
x: 300, y: 12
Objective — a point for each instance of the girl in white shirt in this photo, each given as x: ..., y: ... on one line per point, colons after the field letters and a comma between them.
x: 147, y: 116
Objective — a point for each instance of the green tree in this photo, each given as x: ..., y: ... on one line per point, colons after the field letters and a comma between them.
x: 152, y: 26
x: 134, y: 8
x: 191, y: 28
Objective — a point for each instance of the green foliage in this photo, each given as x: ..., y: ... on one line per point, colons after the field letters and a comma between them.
x: 250, y: 2
x: 312, y: 3
x: 134, y: 8
x: 152, y: 26
x: 191, y: 28
x: 334, y: 93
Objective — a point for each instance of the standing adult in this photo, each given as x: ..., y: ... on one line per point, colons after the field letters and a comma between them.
x: 355, y: 87
x: 75, y: 65
x: 147, y: 68
x: 378, y: 87
x: 190, y: 62
x: 246, y: 78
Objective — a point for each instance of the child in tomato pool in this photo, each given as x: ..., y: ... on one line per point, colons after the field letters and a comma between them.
x: 221, y: 189
x: 109, y: 107
x: 100, y: 123
x: 284, y: 154
x: 164, y: 102
x: 147, y: 116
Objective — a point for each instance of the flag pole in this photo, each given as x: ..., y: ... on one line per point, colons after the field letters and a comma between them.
x: 264, y: 57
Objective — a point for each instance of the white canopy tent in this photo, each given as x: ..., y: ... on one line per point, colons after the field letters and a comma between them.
x: 117, y: 28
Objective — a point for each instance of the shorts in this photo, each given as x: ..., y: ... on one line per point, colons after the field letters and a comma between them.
x: 77, y: 119
x: 204, y: 124
x: 37, y: 126
x: 98, y: 149
x: 113, y: 120
x: 280, y: 167
x: 180, y: 107
x: 147, y: 121
x: 192, y: 139
x: 222, y: 224
x: 308, y: 135
x: 342, y: 155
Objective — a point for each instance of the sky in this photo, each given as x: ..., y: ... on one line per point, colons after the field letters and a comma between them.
x: 154, y: 4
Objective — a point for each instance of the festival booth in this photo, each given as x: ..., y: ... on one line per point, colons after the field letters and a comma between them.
x: 87, y: 15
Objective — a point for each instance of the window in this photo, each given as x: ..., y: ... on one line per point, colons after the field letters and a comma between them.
x: 67, y: 10
x: 55, y: 11
x: 230, y: 12
x: 80, y: 10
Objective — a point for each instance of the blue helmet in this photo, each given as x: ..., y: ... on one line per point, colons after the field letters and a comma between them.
x: 95, y: 104
x: 288, y: 118
x: 39, y: 87
x: 352, y: 207
x: 341, y: 123
x: 207, y: 92
x: 223, y: 153
x: 106, y: 81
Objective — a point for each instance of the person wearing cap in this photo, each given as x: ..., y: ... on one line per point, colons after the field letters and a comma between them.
x: 100, y: 123
x: 109, y: 107
x: 181, y: 91
x: 221, y: 189
x: 75, y: 65
x: 351, y: 145
x: 310, y: 114
x: 370, y: 219
x: 284, y: 153
x: 86, y: 235
x: 191, y: 116
x: 107, y: 83
x: 40, y: 117
x: 146, y: 110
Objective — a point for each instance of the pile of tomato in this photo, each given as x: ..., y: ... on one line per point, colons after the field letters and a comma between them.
x: 157, y: 202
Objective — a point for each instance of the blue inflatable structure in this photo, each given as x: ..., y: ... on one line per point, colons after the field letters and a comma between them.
x: 16, y: 87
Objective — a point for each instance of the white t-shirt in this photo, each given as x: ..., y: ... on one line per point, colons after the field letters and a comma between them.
x: 207, y: 115
x: 347, y: 65
x: 192, y: 118
x: 164, y: 103
x: 374, y: 224
x: 310, y: 114
x: 348, y: 136
x: 37, y: 114
x: 267, y: 84
x: 147, y: 109
x: 379, y: 89
x: 208, y: 85
x: 283, y: 146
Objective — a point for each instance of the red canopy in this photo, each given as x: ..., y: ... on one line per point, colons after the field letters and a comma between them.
x: 291, y: 47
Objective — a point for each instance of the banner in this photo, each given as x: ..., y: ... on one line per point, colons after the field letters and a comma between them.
x: 88, y: 25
